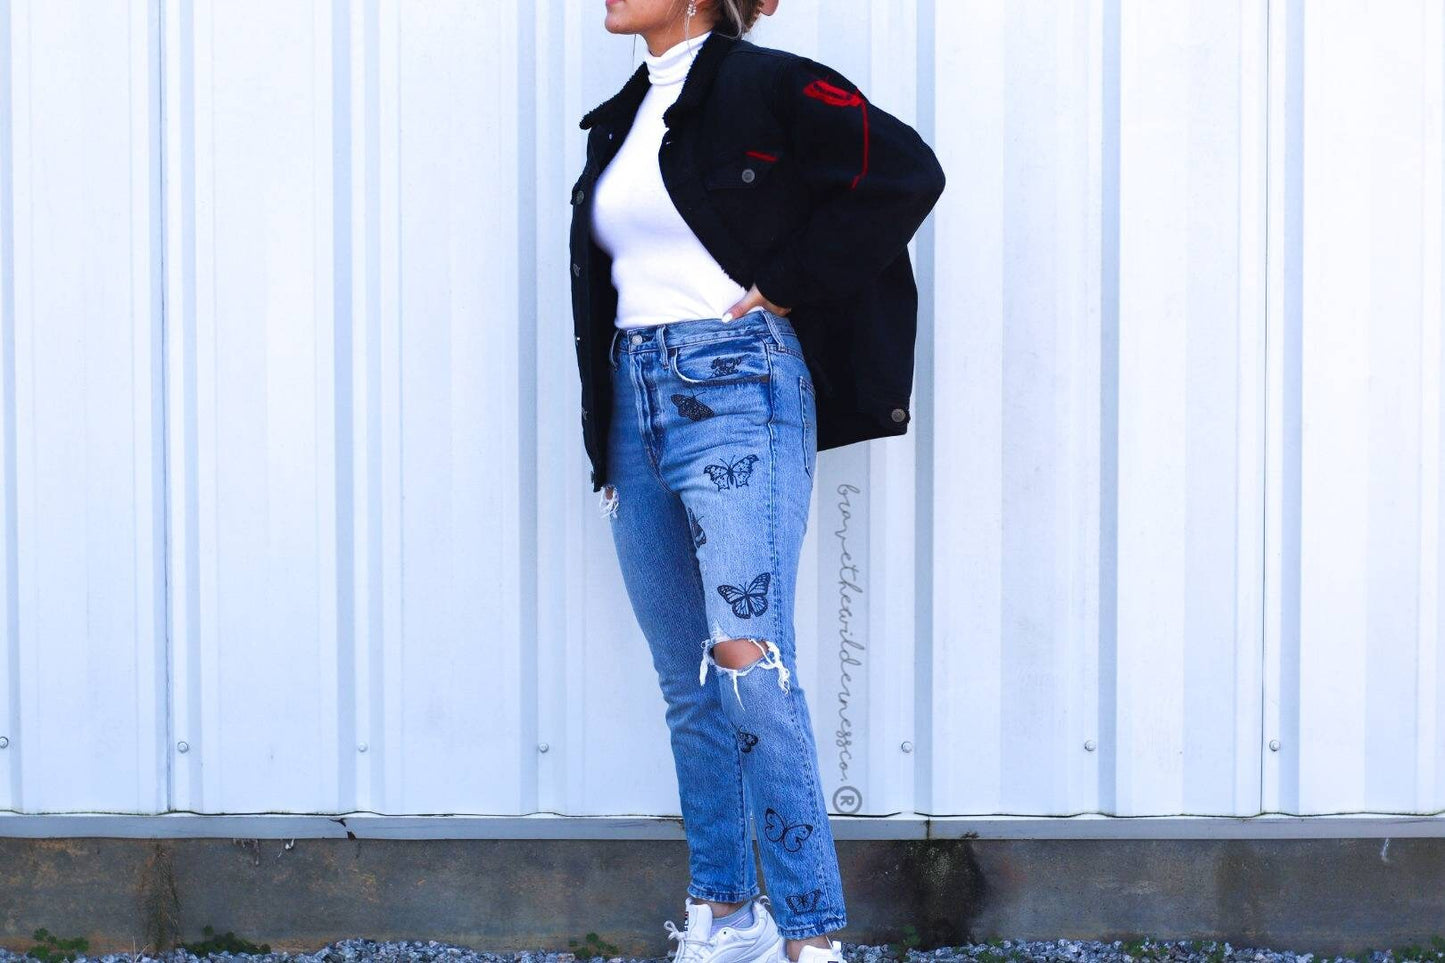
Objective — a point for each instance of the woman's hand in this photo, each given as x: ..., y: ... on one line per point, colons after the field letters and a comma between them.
x: 751, y: 300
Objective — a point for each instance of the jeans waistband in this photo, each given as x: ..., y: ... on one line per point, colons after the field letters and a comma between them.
x: 659, y: 337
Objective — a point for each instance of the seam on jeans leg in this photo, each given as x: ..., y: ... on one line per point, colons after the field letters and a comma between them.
x: 746, y: 852
x: 776, y: 585
x: 802, y: 741
x: 821, y: 809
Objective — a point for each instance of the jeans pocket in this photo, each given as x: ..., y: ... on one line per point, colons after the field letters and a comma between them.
x: 726, y: 361
x: 807, y: 405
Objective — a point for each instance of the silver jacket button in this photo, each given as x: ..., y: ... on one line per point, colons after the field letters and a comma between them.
x: 577, y: 197
x: 576, y: 271
x: 899, y: 414
x: 748, y: 175
x: 578, y: 339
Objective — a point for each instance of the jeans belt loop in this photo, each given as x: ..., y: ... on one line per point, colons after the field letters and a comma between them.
x: 773, y: 327
x: 662, y: 346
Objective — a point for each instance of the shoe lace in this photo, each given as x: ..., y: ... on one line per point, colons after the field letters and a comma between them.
x: 686, y: 949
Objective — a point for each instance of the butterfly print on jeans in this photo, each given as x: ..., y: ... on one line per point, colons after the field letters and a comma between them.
x: 746, y: 740
x: 732, y: 474
x: 698, y: 535
x: 690, y: 407
x: 726, y: 366
x: 778, y: 830
x: 750, y: 601
x: 804, y: 902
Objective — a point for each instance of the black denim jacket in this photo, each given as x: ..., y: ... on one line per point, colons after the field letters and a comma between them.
x: 792, y: 181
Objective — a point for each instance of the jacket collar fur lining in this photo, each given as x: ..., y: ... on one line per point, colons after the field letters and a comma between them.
x: 694, y: 87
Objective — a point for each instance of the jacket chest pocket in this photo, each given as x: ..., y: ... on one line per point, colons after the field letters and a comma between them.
x: 745, y: 169
x: 725, y: 362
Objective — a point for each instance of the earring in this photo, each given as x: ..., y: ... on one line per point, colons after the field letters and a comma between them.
x: 692, y: 8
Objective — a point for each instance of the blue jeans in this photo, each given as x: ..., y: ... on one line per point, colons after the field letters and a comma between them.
x: 710, y: 474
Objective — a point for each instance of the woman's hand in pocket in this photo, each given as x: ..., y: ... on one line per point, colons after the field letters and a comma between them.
x: 754, y: 298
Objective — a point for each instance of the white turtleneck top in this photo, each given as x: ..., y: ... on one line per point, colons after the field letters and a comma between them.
x: 660, y: 269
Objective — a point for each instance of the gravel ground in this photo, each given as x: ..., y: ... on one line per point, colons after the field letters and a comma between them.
x: 995, y: 951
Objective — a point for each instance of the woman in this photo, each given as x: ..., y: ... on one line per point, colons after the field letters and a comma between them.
x: 724, y: 173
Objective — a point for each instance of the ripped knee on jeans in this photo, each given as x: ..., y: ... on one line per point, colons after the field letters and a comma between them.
x: 770, y: 657
x: 607, y: 501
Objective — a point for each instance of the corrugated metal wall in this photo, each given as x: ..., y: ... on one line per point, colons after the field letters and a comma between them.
x: 296, y: 514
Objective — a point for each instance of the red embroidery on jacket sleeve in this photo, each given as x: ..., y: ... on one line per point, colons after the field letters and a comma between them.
x: 761, y: 155
x: 838, y: 97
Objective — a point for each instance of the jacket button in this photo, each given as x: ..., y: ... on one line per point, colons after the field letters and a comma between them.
x: 578, y: 339
x: 584, y: 412
x: 748, y: 175
x: 899, y: 414
x: 576, y: 271
x: 577, y: 197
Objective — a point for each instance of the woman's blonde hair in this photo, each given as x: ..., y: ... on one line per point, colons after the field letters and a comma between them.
x: 737, y: 17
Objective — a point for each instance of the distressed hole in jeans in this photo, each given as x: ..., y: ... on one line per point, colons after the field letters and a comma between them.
x: 607, y: 501
x: 771, y: 658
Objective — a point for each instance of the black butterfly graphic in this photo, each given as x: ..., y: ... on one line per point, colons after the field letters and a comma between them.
x: 726, y: 366
x: 747, y: 740
x: 804, y: 902
x: 690, y: 407
x: 698, y: 535
x: 779, y: 831
x: 734, y: 474
x: 751, y: 601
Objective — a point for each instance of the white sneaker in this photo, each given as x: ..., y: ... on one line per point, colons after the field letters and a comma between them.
x: 815, y: 954
x: 756, y: 943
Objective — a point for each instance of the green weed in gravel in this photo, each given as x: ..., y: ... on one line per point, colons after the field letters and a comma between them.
x: 230, y: 943
x: 52, y: 949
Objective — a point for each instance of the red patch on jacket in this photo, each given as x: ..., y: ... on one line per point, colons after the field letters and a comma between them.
x: 838, y: 97
x: 759, y: 154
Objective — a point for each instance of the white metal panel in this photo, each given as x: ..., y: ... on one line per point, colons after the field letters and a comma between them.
x: 344, y: 413
x: 1189, y: 418
x: 1172, y: 489
x: 83, y: 675
x: 251, y: 389
x: 1096, y: 640
x: 1358, y: 641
